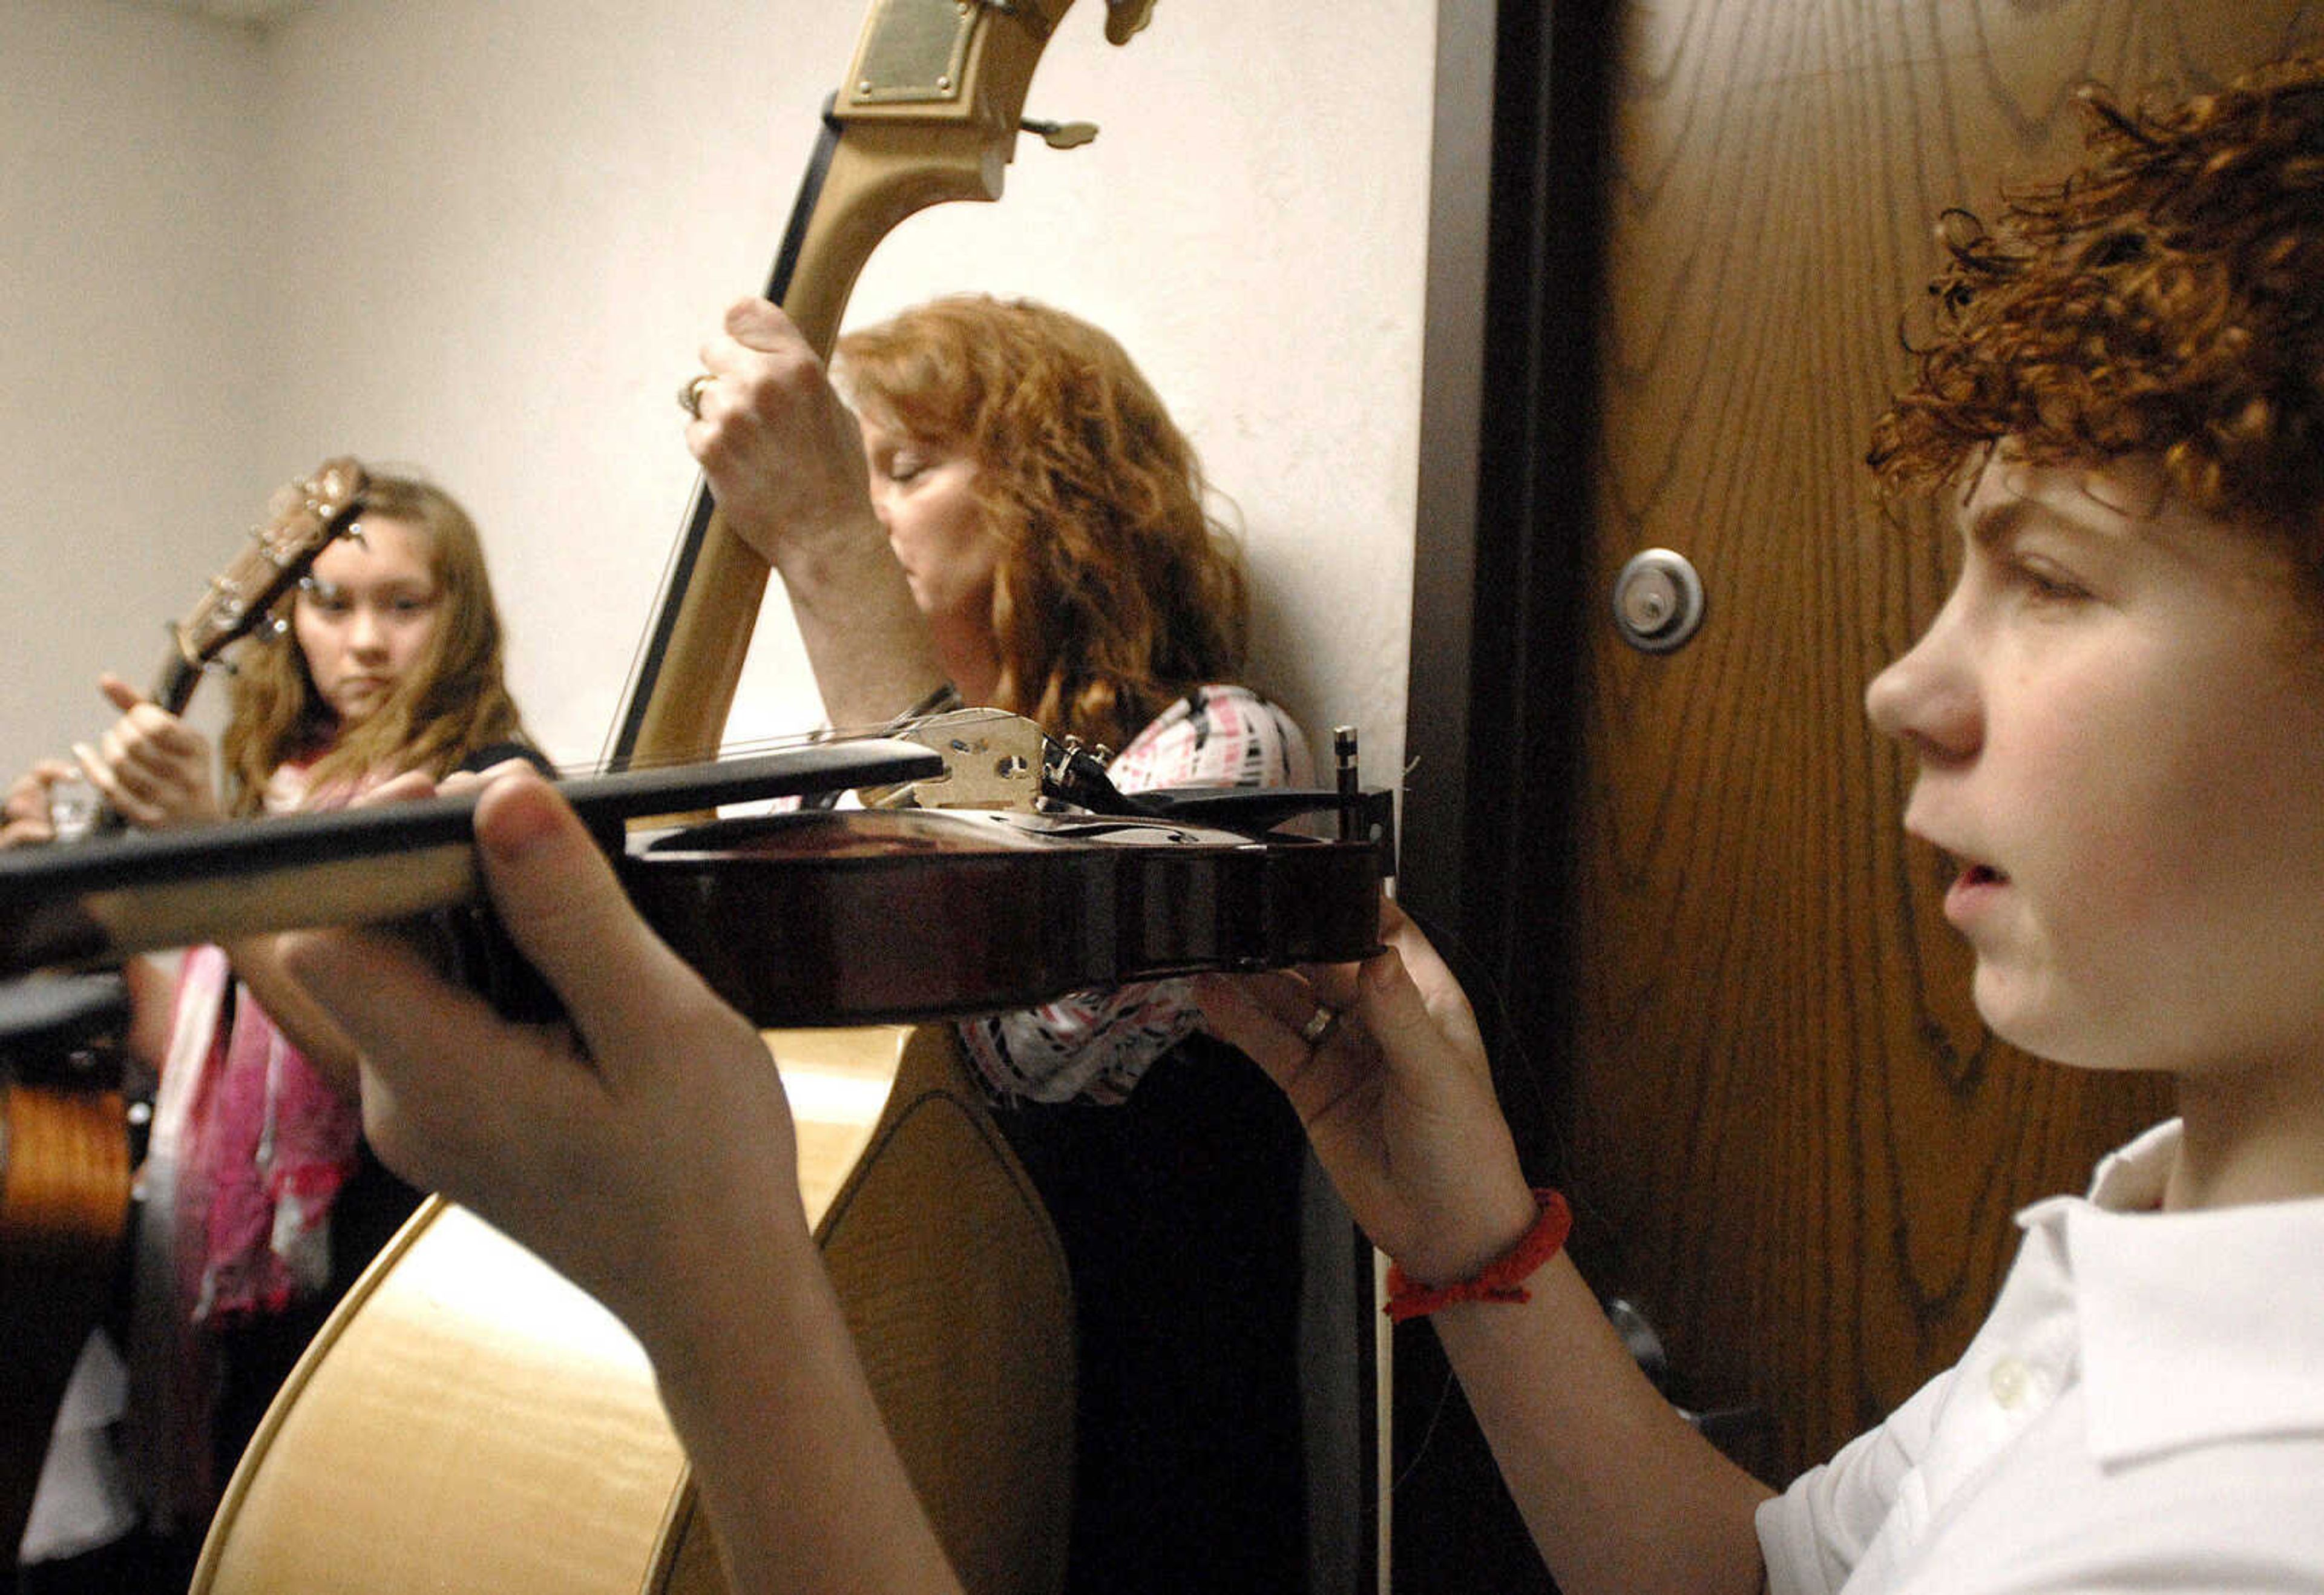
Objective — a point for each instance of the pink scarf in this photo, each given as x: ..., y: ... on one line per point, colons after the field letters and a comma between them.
x: 267, y: 1146
x: 250, y: 1147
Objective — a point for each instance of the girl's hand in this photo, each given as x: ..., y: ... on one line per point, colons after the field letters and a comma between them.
x: 1396, y: 1097
x: 151, y: 768
x: 24, y: 819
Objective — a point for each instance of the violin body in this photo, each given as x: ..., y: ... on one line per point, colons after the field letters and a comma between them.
x: 876, y: 916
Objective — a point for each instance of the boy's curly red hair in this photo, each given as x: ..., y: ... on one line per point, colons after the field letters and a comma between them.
x: 2166, y: 299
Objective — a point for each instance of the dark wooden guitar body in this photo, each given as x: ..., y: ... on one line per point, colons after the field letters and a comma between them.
x: 64, y: 1208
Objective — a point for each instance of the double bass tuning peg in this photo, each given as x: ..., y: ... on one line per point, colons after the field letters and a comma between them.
x: 1124, y: 19
x: 1061, y: 135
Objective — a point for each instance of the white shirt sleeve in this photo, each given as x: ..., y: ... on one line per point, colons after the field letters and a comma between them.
x: 1814, y: 1534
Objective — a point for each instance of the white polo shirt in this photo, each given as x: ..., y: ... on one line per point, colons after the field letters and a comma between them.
x: 2143, y: 1411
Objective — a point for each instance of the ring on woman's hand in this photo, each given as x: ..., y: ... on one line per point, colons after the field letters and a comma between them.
x: 1319, y: 1024
x: 689, y: 397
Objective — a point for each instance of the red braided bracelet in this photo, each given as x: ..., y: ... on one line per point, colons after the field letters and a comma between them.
x: 1501, y: 1280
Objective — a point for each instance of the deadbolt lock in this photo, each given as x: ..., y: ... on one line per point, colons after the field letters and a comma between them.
x: 1657, y: 601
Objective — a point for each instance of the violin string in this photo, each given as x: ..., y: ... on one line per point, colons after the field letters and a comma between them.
x: 665, y: 595
x: 739, y: 748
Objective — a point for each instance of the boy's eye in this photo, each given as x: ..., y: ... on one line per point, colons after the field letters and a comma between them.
x: 2048, y: 582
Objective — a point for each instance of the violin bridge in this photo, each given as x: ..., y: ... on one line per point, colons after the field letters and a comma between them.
x: 992, y: 759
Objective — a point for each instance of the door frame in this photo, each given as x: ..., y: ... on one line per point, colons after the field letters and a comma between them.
x: 1507, y: 430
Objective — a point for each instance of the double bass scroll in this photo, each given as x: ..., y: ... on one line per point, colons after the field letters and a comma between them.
x: 929, y: 111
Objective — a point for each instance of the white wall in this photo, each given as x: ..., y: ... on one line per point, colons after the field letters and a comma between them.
x: 129, y: 405
x: 486, y: 239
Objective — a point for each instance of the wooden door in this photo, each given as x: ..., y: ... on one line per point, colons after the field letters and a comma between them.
x: 1738, y: 1029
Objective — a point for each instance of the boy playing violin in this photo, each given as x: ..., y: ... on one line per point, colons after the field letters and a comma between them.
x: 2117, y: 719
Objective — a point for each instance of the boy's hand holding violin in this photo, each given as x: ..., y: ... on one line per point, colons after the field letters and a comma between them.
x: 1396, y: 1094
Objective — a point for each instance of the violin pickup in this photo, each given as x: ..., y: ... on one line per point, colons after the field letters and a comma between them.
x: 992, y: 759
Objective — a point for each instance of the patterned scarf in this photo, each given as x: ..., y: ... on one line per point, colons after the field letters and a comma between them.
x: 249, y: 1148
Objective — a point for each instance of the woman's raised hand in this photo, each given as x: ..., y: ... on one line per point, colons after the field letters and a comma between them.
x: 1395, y: 1095
x: 783, y: 452
x: 784, y: 457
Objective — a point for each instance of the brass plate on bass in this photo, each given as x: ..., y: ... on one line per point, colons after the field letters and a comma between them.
x: 913, y: 50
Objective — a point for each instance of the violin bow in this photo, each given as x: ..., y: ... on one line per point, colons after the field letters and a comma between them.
x: 929, y: 111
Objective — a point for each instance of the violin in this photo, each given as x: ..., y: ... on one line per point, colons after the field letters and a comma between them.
x: 800, y: 919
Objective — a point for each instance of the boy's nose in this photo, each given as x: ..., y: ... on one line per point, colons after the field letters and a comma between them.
x: 1926, y: 701
x: 1885, y: 698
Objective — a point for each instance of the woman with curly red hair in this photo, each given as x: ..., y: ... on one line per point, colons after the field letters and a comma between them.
x: 1114, y: 590
x: 1039, y: 530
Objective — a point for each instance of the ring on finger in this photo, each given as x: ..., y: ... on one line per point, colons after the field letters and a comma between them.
x: 689, y: 397
x: 1319, y: 1024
